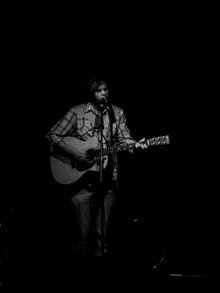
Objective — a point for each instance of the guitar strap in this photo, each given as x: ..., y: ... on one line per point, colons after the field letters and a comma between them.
x: 114, y: 156
x: 112, y: 121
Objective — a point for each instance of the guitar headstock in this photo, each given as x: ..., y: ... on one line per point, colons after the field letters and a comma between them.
x: 160, y: 140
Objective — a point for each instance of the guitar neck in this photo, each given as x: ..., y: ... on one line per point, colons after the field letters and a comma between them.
x: 160, y: 140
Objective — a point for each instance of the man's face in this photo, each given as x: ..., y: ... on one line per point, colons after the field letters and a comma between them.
x: 101, y: 95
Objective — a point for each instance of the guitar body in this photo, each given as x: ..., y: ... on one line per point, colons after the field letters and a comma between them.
x: 66, y: 170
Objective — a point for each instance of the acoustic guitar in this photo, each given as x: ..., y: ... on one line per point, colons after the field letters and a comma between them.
x: 66, y: 170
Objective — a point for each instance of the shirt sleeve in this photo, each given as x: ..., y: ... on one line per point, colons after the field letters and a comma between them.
x: 123, y: 133
x: 66, y: 126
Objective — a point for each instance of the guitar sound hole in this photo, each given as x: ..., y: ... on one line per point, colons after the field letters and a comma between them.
x: 91, y: 154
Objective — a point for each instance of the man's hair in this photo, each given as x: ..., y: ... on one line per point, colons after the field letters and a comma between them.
x: 94, y: 83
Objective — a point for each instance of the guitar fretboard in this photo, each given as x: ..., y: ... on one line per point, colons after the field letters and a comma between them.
x: 160, y: 140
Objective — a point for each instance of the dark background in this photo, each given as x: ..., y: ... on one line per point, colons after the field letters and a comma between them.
x: 159, y: 75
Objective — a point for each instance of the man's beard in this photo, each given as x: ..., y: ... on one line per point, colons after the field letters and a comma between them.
x: 101, y: 104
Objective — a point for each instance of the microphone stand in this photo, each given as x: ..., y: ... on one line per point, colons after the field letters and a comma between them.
x: 112, y: 120
x: 101, y: 185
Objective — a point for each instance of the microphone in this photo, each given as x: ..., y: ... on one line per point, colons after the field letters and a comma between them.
x: 103, y: 103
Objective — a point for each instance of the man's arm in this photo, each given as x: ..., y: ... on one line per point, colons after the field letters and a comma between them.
x: 124, y: 136
x: 67, y: 126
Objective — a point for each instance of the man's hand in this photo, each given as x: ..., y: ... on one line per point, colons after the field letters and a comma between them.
x: 85, y: 156
x: 141, y: 144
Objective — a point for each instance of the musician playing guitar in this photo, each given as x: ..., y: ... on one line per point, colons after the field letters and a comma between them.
x: 84, y: 145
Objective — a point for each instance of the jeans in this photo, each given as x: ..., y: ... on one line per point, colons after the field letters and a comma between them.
x: 92, y: 212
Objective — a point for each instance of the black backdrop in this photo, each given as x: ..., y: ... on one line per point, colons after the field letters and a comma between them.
x: 160, y: 85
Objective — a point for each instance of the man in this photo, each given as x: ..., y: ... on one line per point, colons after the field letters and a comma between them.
x: 84, y: 146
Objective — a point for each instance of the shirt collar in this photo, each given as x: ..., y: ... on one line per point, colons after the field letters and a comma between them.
x: 90, y: 107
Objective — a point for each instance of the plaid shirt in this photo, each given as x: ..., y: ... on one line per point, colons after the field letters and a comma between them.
x: 83, y: 122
